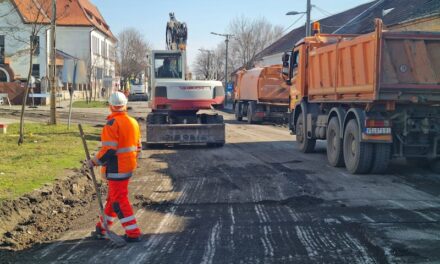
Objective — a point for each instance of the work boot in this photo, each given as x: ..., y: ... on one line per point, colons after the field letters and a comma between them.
x: 98, y: 234
x: 132, y: 239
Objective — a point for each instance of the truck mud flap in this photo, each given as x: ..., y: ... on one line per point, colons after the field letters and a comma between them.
x: 186, y: 134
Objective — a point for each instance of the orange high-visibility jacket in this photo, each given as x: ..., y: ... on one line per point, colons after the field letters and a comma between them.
x: 121, y: 143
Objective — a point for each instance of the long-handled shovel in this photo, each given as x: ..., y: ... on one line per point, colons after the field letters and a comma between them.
x: 117, y: 240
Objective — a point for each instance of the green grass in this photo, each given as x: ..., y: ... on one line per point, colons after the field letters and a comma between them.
x: 93, y: 104
x: 45, y: 155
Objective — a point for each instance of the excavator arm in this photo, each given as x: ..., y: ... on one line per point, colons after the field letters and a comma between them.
x: 176, y: 34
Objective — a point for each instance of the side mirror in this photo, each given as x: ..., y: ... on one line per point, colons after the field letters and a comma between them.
x: 286, y: 64
x: 286, y: 58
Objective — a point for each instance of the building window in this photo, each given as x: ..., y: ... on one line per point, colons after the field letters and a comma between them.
x: 35, y: 40
x: 112, y: 52
x: 99, y: 73
x: 103, y: 49
x: 2, y: 49
x: 95, y: 45
x: 36, y: 71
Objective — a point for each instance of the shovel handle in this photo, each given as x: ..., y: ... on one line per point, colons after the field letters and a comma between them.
x: 92, y: 172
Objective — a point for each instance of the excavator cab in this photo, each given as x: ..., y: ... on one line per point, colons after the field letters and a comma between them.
x: 168, y: 65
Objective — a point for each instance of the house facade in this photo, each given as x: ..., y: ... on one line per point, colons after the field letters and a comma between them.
x: 15, y: 39
x: 82, y: 34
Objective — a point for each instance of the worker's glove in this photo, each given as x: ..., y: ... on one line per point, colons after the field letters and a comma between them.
x: 90, y: 164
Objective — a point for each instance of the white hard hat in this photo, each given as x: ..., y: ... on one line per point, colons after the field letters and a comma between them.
x: 117, y: 99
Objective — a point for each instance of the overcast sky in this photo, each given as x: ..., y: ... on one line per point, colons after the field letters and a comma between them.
x: 204, y: 16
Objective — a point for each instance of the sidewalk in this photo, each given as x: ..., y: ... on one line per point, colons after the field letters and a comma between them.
x: 62, y: 107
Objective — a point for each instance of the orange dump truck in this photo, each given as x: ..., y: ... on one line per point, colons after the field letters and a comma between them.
x: 259, y: 94
x: 373, y: 97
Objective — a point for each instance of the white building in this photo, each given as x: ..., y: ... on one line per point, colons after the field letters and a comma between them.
x: 81, y: 33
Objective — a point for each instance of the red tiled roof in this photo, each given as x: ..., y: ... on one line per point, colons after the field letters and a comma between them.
x: 69, y: 13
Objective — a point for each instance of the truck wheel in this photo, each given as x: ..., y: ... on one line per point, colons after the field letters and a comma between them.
x: 305, y: 145
x: 159, y: 119
x: 219, y: 119
x: 335, y: 155
x: 250, y: 113
x: 381, y: 159
x: 358, y: 156
x: 149, y: 119
x: 214, y: 119
x: 435, y: 165
x: 238, y: 115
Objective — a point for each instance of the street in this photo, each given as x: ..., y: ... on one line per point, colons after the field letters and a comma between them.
x: 259, y: 200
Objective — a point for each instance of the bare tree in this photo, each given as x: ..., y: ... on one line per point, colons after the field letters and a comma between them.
x: 204, y: 67
x: 251, y: 36
x: 133, y: 52
x: 28, y: 34
x: 91, y: 78
x: 38, y: 24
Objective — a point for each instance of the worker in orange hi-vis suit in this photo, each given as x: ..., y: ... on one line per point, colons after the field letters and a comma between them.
x: 121, y: 145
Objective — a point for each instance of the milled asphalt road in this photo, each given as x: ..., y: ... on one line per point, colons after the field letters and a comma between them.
x: 259, y: 200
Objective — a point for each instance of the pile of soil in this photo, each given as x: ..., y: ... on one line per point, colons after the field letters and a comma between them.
x: 45, y: 214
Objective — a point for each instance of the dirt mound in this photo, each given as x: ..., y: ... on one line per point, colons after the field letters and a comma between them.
x: 45, y: 214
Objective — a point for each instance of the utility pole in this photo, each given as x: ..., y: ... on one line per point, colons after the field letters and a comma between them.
x: 308, y: 15
x: 227, y: 37
x: 53, y: 71
x: 309, y: 11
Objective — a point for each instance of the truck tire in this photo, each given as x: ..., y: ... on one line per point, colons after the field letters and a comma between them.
x: 214, y: 119
x: 381, y: 158
x: 156, y: 119
x: 159, y: 119
x: 237, y: 110
x: 335, y: 155
x: 305, y: 145
x: 250, y: 112
x: 358, y: 156
x: 149, y: 119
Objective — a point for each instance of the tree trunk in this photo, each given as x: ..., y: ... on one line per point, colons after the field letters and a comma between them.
x: 91, y: 92
x: 86, y: 92
x: 26, y: 93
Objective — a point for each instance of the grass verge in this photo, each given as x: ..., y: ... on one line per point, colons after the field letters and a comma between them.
x: 93, y: 104
x: 46, y: 153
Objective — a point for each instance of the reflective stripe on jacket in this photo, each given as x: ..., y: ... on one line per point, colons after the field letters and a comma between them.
x: 121, y: 142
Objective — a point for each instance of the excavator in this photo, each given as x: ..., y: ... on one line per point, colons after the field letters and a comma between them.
x: 183, y: 110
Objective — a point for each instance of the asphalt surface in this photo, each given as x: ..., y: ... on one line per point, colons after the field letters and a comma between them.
x: 259, y: 200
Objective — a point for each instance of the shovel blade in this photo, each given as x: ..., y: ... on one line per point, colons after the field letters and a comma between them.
x: 115, y: 239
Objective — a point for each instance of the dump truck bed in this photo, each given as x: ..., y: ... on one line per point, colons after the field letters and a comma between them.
x: 263, y: 85
x: 379, y: 66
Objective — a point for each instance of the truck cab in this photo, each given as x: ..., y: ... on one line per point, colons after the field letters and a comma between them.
x: 138, y: 89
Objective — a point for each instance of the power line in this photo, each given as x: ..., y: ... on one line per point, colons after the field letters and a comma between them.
x: 324, y: 12
x: 296, y: 21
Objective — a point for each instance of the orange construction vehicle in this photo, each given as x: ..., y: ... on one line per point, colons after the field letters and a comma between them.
x: 259, y: 95
x: 373, y: 97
